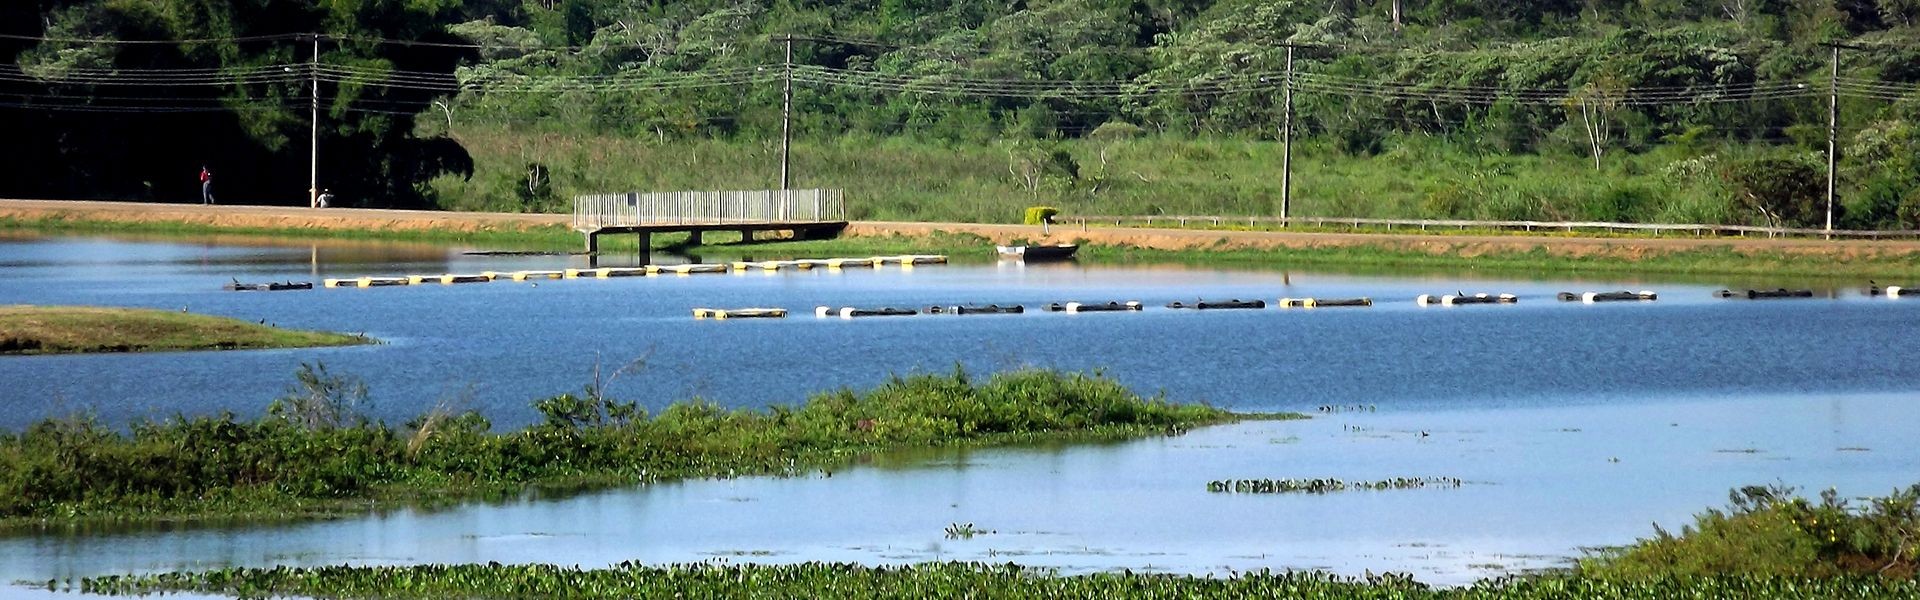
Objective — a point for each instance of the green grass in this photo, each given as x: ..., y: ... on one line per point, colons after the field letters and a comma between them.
x: 1770, y: 531
x: 80, y: 329
x: 1441, y: 255
x: 1437, y: 253
x: 903, y: 178
x: 309, y: 458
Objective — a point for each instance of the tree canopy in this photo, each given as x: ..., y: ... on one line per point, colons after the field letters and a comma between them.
x: 1586, y: 77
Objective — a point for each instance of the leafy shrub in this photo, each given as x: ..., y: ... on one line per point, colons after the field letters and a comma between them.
x: 1786, y: 192
x: 1769, y: 531
x: 1036, y: 215
x: 1623, y: 203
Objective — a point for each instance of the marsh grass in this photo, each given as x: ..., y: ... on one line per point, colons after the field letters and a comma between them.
x: 77, y: 472
x: 81, y: 329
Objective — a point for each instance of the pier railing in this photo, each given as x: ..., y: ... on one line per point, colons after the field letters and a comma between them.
x: 594, y: 212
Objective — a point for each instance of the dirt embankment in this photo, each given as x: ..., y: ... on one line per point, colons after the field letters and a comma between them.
x: 1438, y: 244
x: 270, y: 217
x: 274, y: 217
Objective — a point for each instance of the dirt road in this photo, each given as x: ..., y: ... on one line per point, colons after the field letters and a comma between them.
x: 272, y: 217
x: 1458, y: 245
x: 275, y: 217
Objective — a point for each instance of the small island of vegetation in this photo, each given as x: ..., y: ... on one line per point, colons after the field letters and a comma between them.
x: 315, y: 454
x: 80, y: 329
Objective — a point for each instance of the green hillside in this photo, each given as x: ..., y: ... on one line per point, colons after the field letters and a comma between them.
x: 1645, y: 110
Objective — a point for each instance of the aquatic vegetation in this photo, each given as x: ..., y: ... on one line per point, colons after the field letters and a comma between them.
x: 1640, y: 572
x: 1768, y: 530
x: 312, y: 456
x: 940, y: 580
x: 80, y: 329
x: 1326, y: 486
x: 964, y: 531
x: 1345, y: 408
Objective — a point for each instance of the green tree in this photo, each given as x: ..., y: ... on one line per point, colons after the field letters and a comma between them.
x: 1786, y: 192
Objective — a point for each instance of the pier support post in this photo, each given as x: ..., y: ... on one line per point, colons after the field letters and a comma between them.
x: 646, y: 246
x: 593, y: 242
x: 746, y: 236
x: 693, y: 238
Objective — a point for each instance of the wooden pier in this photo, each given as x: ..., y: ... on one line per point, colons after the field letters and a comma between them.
x: 806, y: 214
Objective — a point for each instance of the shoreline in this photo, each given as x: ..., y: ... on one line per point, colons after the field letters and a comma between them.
x: 1806, y: 257
x: 35, y: 330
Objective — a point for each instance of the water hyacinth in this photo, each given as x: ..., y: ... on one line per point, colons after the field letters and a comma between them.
x: 946, y: 580
x: 1326, y: 486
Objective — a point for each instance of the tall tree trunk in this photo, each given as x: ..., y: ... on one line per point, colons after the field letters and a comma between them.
x: 1396, y: 15
x: 1587, y: 114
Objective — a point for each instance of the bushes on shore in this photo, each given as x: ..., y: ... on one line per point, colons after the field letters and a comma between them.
x: 1770, y: 531
x: 306, y: 453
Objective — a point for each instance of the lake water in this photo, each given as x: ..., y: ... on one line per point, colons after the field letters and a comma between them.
x: 1531, y: 404
x: 510, y: 343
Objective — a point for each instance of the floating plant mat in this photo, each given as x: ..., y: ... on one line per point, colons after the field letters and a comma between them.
x: 1326, y: 486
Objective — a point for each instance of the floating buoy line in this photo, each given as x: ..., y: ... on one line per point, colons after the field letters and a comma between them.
x: 904, y: 261
x: 1596, y: 297
x: 990, y: 309
x: 1324, y: 302
x: 1080, y: 307
x: 907, y: 261
x: 1460, y: 299
x: 1234, y: 304
x: 1892, y: 291
x: 1763, y: 294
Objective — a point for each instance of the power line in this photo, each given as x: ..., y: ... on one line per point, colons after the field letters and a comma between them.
x: 120, y: 42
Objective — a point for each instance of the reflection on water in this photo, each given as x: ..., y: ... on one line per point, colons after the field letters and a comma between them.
x: 1542, y: 483
x: 515, y: 342
x: 1530, y: 403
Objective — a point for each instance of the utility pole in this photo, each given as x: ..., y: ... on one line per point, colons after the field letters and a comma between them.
x: 313, y: 164
x: 786, y: 117
x: 1286, y: 144
x: 1833, y: 135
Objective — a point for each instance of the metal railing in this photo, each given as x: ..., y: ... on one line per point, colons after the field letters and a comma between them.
x: 1429, y: 224
x: 593, y: 212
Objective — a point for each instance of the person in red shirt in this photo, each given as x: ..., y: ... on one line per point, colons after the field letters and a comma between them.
x: 206, y: 185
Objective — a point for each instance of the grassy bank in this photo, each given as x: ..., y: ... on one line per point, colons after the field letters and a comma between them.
x: 1438, y: 252
x: 1768, y: 545
x: 78, y: 329
x: 311, y: 457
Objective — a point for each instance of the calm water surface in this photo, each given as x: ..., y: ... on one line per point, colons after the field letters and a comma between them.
x: 510, y: 343
x: 1529, y: 403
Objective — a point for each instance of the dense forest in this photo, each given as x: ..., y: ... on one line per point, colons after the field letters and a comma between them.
x: 1626, y: 110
